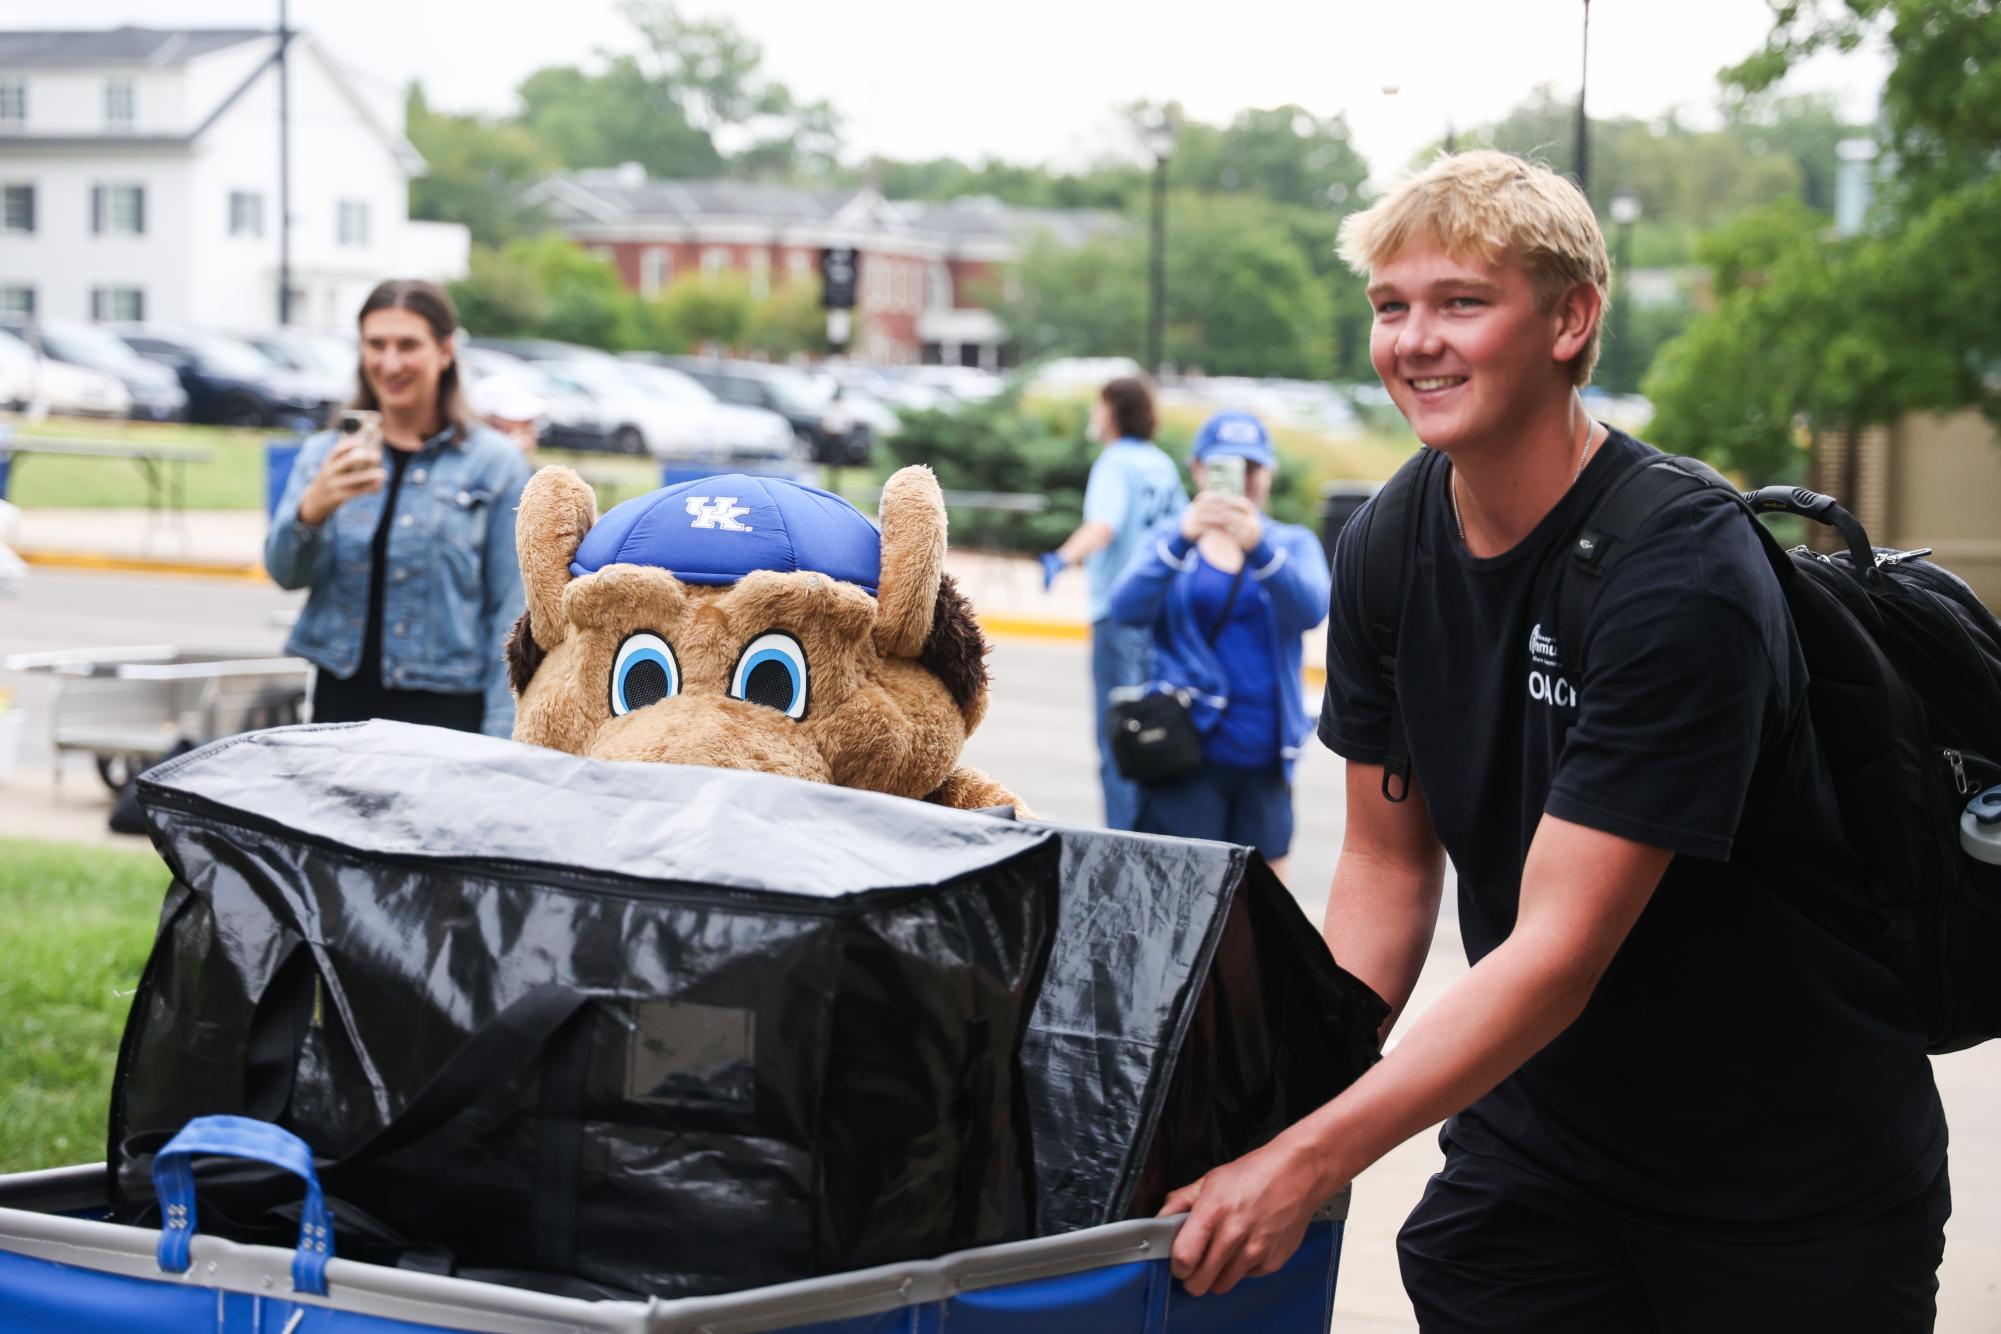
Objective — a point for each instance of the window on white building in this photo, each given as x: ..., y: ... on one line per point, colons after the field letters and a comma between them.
x: 17, y: 299
x: 715, y: 260
x: 17, y: 208
x: 118, y: 105
x: 760, y: 274
x: 13, y: 103
x: 656, y: 270
x: 351, y: 222
x: 246, y: 213
x: 118, y: 210
x: 117, y: 303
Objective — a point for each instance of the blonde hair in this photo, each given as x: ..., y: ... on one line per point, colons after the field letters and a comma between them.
x: 1499, y: 208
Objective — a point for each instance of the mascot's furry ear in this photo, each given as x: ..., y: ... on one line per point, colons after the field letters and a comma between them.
x: 913, y: 561
x: 557, y: 509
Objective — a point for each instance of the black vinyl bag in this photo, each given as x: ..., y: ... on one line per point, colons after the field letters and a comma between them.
x: 599, y: 1028
x: 1189, y: 1014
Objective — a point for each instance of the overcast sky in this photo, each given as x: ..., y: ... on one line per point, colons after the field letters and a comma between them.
x: 1034, y: 80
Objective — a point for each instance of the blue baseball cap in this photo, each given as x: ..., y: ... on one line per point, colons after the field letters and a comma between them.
x: 716, y: 530
x: 1237, y: 433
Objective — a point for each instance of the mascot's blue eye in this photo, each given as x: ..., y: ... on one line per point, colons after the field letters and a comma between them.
x: 644, y: 673
x: 772, y: 672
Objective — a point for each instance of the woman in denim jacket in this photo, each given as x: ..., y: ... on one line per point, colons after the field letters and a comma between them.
x: 408, y: 551
x: 1228, y: 593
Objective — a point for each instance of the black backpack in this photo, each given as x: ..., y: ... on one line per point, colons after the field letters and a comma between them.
x: 1905, y: 698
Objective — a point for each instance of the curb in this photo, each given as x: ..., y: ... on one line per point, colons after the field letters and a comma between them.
x: 77, y: 560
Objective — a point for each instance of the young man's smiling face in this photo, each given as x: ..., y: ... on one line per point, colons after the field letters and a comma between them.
x: 1462, y: 348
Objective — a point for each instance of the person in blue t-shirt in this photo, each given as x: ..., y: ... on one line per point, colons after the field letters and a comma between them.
x: 1226, y: 594
x: 1134, y: 485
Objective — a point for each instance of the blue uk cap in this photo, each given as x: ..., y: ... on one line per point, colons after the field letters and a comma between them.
x: 716, y: 530
x: 1233, y: 432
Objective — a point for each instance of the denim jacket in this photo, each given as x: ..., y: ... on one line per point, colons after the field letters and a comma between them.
x: 453, y: 589
x: 1288, y: 570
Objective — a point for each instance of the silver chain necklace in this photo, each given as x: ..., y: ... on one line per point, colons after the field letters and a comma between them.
x: 1452, y: 483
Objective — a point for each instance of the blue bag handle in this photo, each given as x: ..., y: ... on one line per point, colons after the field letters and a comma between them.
x: 259, y: 1141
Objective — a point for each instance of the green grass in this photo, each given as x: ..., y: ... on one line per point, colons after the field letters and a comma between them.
x: 234, y: 478
x: 79, y: 924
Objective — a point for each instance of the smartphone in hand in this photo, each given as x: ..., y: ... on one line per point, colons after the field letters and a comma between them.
x: 1226, y: 475
x: 361, y: 434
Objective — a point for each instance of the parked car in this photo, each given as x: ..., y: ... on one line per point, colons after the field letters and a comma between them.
x: 228, y: 382
x: 17, y: 373
x: 717, y: 430
x: 540, y: 349
x: 155, y: 391
x: 45, y: 384
x: 968, y: 384
x: 823, y: 424
x: 325, y: 362
x: 573, y: 420
x: 662, y: 421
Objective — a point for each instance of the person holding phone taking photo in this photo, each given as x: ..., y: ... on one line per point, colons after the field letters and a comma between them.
x: 400, y: 522
x: 1227, y: 592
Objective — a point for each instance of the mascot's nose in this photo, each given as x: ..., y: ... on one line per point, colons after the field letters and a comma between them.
x: 716, y: 731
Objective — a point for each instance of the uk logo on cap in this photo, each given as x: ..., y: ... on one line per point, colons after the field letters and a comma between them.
x: 716, y: 530
x: 723, y: 512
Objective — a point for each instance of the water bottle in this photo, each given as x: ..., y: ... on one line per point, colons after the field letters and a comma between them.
x: 1980, y: 839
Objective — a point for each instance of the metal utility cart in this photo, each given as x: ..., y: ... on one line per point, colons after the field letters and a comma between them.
x: 126, y: 707
x: 62, y: 1272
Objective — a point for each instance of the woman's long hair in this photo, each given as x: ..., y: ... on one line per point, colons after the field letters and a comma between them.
x: 428, y: 301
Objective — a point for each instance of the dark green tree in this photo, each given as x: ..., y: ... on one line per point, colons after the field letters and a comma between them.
x: 476, y: 170
x: 618, y: 114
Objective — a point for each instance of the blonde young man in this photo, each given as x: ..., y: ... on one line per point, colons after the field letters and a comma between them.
x: 1676, y: 1101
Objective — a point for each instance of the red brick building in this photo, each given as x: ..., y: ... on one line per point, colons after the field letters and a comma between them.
x: 930, y: 273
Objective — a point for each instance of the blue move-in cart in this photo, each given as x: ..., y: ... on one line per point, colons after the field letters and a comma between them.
x: 62, y: 1271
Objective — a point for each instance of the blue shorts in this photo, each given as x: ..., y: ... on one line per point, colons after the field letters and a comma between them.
x: 1250, y: 807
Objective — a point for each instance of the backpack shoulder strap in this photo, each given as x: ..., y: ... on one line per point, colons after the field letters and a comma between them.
x: 1389, y: 549
x: 1633, y: 500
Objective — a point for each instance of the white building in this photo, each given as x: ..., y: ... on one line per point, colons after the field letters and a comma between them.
x: 139, y: 175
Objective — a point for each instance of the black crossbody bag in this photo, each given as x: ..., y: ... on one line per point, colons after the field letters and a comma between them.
x: 1153, y: 738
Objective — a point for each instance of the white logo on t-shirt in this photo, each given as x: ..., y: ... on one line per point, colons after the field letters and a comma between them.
x: 1547, y: 687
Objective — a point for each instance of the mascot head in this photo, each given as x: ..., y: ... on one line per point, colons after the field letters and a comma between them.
x: 751, y: 623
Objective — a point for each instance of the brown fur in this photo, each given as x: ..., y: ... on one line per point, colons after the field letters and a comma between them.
x: 913, y: 561
x: 886, y: 721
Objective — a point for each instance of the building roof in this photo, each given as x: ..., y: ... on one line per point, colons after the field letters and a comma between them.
x: 118, y: 46
x: 613, y: 195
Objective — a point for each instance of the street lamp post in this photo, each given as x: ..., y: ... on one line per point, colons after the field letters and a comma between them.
x: 1160, y: 142
x: 1625, y: 212
x: 1583, y: 125
x: 284, y: 166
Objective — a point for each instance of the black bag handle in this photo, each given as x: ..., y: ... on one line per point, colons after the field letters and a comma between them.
x: 1821, y: 509
x: 497, y: 1053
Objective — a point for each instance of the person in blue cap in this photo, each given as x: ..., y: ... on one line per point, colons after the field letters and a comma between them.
x: 1226, y: 593
x: 1133, y: 486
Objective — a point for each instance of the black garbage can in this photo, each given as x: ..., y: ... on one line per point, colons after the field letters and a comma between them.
x: 1338, y: 503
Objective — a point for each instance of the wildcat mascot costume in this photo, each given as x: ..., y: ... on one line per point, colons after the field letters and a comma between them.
x: 751, y: 623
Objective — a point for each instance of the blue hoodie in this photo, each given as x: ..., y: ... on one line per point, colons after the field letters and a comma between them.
x: 1288, y: 567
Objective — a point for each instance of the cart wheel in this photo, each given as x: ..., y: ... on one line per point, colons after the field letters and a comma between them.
x: 116, y: 770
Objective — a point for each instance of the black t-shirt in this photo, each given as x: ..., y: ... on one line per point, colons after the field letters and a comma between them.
x: 1739, y: 1067
x: 363, y: 696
